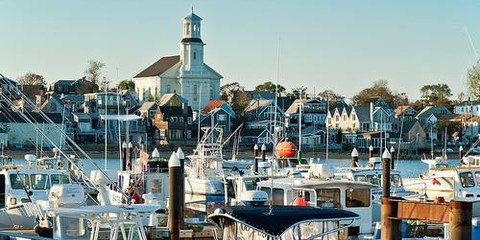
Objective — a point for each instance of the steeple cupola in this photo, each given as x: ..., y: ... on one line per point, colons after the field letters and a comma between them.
x: 191, y: 28
x: 191, y: 47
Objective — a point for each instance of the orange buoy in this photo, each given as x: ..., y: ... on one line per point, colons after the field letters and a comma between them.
x: 286, y: 149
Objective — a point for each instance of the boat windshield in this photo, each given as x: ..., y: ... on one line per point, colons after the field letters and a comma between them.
x: 19, y: 181
x: 39, y: 181
x: 467, y: 179
x: 357, y: 197
x: 59, y: 179
x: 329, y: 198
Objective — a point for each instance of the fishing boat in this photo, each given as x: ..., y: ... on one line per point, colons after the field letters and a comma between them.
x: 448, y: 182
x: 21, y: 185
x: 204, y: 169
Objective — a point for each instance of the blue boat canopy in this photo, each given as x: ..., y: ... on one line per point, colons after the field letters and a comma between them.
x: 281, y: 218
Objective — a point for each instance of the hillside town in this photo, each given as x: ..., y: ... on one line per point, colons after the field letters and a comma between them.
x: 169, y: 101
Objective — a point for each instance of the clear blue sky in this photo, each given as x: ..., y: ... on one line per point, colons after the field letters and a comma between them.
x: 339, y: 45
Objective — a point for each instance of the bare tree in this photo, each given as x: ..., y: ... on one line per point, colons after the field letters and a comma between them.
x: 473, y: 81
x: 31, y: 79
x: 94, y: 74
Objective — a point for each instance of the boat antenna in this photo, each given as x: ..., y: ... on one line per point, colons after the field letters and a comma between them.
x: 471, y: 43
x: 275, y: 132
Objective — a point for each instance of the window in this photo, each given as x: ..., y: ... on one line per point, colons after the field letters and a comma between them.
x: 221, y: 117
x: 39, y: 181
x: 173, y: 119
x: 357, y: 197
x: 277, y: 195
x: 328, y: 198
x: 477, y: 177
x: 396, y: 180
x: 59, y: 179
x: 181, y: 119
x: 189, y: 120
x: 19, y: 181
x: 467, y: 179
x: 195, y: 92
x: 194, y: 55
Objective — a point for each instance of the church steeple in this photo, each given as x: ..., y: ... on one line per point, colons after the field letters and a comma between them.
x: 191, y: 47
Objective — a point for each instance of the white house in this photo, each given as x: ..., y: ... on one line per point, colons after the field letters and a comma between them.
x: 185, y: 74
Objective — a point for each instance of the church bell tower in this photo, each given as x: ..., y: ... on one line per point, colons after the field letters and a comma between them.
x: 191, y: 47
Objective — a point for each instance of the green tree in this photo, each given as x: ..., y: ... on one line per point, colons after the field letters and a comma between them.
x: 31, y: 79
x: 473, y: 81
x: 271, y: 87
x: 436, y: 94
x: 297, y: 93
x: 94, y: 74
x: 126, y: 85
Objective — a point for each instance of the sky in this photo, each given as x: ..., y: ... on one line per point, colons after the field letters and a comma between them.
x: 342, y: 46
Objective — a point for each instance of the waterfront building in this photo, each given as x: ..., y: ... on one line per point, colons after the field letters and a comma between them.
x: 185, y: 74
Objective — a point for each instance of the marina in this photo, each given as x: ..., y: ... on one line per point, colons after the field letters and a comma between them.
x: 349, y: 139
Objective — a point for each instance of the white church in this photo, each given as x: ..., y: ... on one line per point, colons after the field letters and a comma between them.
x: 185, y: 74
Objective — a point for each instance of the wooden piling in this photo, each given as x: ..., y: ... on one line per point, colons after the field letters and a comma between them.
x: 460, y: 220
x: 391, y: 226
x: 124, y: 156
x: 386, y: 173
x: 255, y: 160
x: 354, y: 157
x: 264, y: 151
x: 392, y: 162
x: 174, y: 175
x: 181, y: 158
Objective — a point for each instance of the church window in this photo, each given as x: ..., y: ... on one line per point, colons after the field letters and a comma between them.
x: 169, y: 88
x: 194, y: 55
x: 194, y: 27
x: 187, y: 29
x: 195, y: 92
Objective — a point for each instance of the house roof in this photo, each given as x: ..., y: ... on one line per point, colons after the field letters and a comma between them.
x: 224, y: 106
x: 159, y: 67
x: 363, y: 113
x: 261, y: 94
x: 146, y: 106
x: 168, y: 111
x: 400, y: 109
x: 254, y: 104
x: 167, y: 97
x: 82, y: 116
x: 428, y: 110
x: 212, y: 104
x: 468, y: 103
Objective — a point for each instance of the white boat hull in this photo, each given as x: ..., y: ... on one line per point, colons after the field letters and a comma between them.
x: 21, y: 216
x: 208, y: 186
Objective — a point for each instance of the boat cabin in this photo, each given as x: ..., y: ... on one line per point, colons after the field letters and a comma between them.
x: 28, y: 183
x: 339, y: 194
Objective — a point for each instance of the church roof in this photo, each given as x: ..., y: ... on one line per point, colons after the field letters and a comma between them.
x: 159, y: 66
x: 192, y: 16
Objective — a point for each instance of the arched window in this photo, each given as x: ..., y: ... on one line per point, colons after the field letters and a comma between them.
x: 187, y: 29
x: 194, y: 27
x: 194, y: 55
x: 195, y: 92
